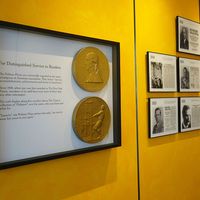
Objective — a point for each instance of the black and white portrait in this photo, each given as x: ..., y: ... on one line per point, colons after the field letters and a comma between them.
x: 185, y: 78
x: 184, y: 44
x: 156, y: 79
x: 158, y: 120
x: 186, y: 117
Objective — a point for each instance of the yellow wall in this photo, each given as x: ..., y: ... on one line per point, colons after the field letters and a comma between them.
x: 108, y: 174
x: 169, y: 166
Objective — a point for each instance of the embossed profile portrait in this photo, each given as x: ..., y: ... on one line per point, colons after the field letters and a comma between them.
x: 90, y: 69
x: 92, y: 65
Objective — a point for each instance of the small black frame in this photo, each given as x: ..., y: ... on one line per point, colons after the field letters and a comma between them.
x: 190, y: 82
x: 187, y: 36
x: 116, y: 119
x: 187, y: 109
x: 159, y: 58
x: 159, y: 104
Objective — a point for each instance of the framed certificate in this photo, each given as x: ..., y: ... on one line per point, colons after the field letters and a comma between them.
x: 162, y: 72
x: 59, y: 94
x: 163, y: 116
x: 188, y: 33
x: 189, y: 75
x: 189, y: 113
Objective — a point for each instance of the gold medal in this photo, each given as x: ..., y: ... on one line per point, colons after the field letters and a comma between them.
x: 90, y: 69
x: 91, y: 119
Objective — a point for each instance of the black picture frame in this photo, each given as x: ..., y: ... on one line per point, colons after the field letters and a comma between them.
x: 185, y: 109
x: 188, y: 75
x: 161, y: 107
x: 187, y: 36
x: 114, y: 48
x: 155, y: 60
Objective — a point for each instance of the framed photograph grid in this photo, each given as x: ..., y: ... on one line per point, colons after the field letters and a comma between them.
x: 168, y: 73
x: 172, y: 115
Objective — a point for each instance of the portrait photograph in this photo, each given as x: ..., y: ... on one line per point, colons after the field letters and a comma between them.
x: 158, y: 124
x: 156, y: 79
x: 186, y: 117
x: 184, y: 44
x: 185, y: 78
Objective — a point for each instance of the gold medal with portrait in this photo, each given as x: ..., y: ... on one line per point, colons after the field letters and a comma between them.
x: 90, y: 69
x: 91, y: 119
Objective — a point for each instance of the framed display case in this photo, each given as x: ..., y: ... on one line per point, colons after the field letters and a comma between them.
x: 59, y: 94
